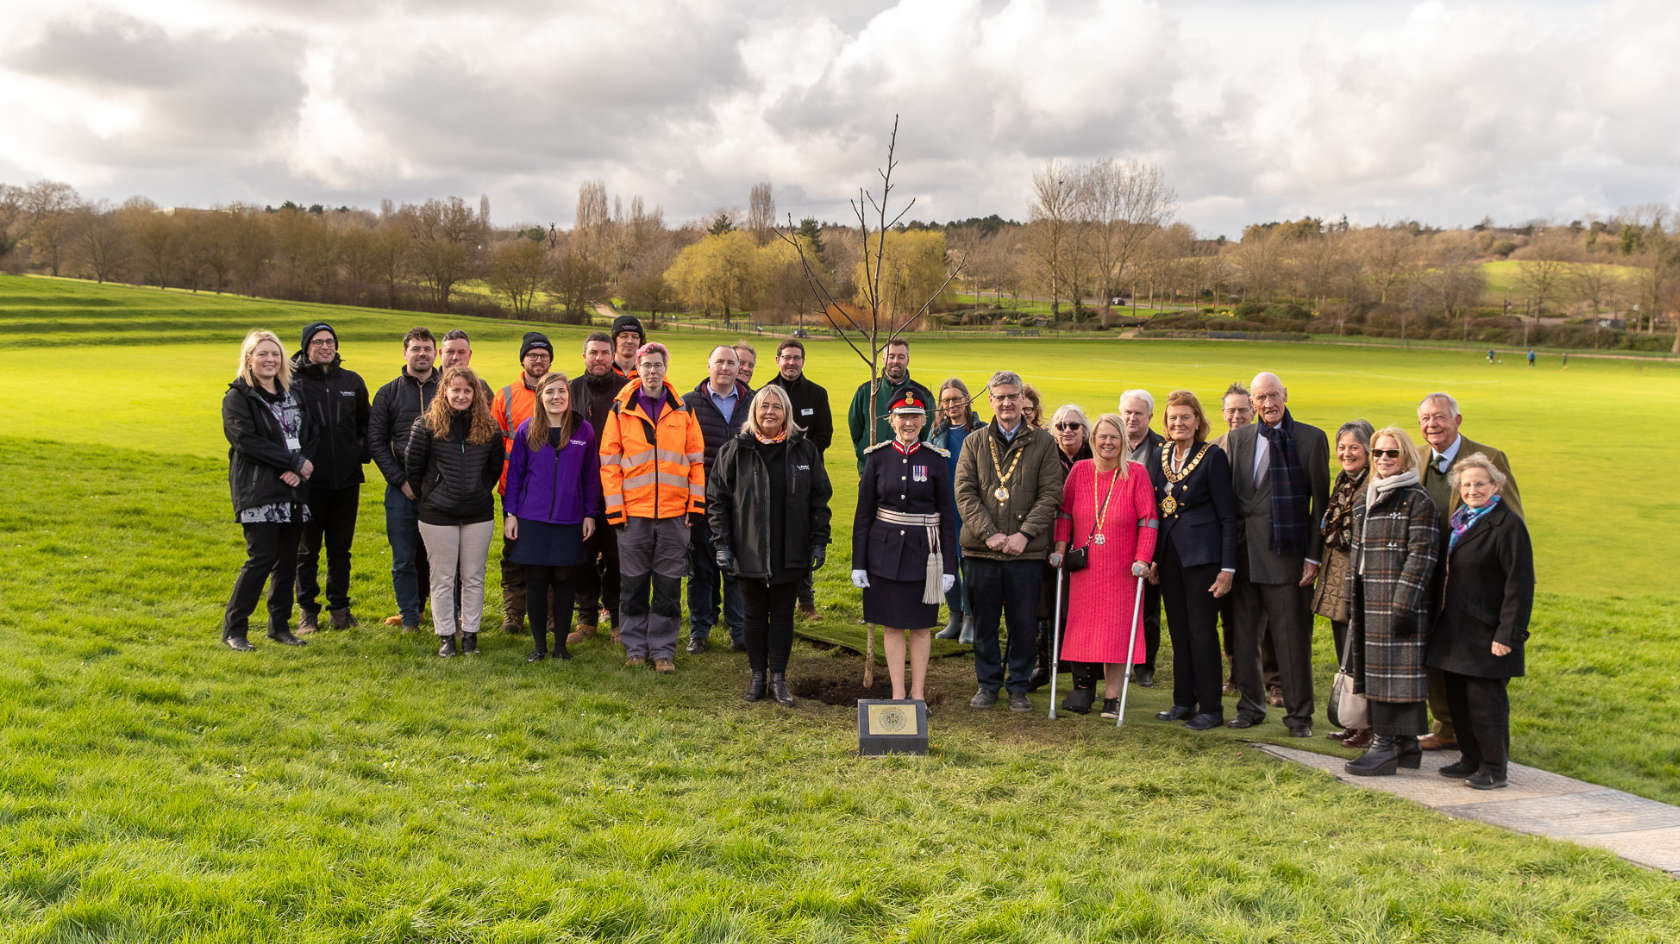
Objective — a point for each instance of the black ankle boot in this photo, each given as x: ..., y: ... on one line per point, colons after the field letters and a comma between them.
x: 237, y: 642
x: 755, y: 687
x: 1378, y: 761
x: 447, y: 646
x: 469, y: 645
x: 285, y: 638
x: 1407, y: 752
x: 779, y: 689
x: 1079, y: 700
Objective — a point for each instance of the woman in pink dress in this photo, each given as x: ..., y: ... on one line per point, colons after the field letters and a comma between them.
x: 1108, y: 510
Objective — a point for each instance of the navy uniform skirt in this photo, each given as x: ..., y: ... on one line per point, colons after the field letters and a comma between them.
x: 898, y: 604
x: 548, y: 545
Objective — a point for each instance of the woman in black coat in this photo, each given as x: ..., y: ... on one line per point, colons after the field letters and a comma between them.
x: 1486, y: 602
x: 767, y: 504
x: 455, y: 457
x: 269, y: 435
x: 1195, y: 557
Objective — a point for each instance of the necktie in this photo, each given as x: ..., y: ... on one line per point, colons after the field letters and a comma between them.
x: 1440, y: 463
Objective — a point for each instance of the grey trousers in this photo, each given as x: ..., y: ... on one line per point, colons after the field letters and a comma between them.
x: 1285, y: 610
x: 463, y: 550
x: 652, y: 558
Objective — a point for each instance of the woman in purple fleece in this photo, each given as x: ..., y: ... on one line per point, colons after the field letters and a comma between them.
x: 553, y: 496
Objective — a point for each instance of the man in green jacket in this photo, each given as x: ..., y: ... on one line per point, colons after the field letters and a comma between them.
x: 894, y: 380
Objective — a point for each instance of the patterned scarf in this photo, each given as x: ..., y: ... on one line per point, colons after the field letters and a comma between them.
x: 771, y: 440
x: 1466, y: 516
x: 1289, y: 489
x: 1338, y: 518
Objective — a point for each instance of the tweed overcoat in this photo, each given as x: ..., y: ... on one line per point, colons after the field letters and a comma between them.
x: 1397, y: 540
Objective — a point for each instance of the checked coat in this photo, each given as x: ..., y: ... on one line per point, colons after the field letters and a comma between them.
x: 1398, y: 543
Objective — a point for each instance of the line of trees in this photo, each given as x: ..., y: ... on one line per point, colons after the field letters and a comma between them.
x: 1098, y: 234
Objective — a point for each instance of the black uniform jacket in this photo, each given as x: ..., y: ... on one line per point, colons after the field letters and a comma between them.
x: 767, y: 542
x: 1202, y: 528
x: 1488, y: 597
x: 918, y: 483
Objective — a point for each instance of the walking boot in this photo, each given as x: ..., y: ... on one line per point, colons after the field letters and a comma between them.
x: 342, y: 619
x: 755, y: 687
x: 446, y: 647
x: 953, y: 629
x: 237, y: 642
x: 779, y: 689
x: 1379, y: 761
x: 306, y: 623
x: 469, y: 644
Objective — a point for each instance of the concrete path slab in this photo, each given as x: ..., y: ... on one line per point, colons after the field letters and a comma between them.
x: 1644, y: 832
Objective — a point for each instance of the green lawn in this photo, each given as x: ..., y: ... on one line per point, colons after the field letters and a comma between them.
x: 157, y: 787
x: 1504, y: 279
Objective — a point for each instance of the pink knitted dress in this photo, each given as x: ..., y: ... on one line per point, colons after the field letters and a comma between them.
x: 1101, y: 597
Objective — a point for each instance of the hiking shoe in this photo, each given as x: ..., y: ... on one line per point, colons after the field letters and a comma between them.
x: 581, y: 632
x: 342, y: 619
x: 664, y: 666
x: 983, y: 698
x: 306, y: 623
x: 1018, y: 701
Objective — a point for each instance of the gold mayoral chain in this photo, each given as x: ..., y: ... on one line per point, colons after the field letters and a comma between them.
x: 1169, y: 504
x: 1097, y: 536
x: 1004, y: 475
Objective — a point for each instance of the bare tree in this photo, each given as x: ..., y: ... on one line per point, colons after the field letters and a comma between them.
x: 518, y: 268
x: 761, y: 213
x: 1053, y: 233
x: 13, y: 219
x: 864, y: 331
x: 1125, y: 203
x: 1542, y: 268
x: 1387, y: 258
x: 49, y: 206
x: 1596, y: 286
x: 102, y: 242
x: 446, y: 239
x: 591, y: 234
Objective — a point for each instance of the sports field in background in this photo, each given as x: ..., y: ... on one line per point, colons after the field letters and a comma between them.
x: 158, y: 787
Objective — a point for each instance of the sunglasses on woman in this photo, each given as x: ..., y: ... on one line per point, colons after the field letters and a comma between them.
x: 1386, y: 453
x: 1068, y: 427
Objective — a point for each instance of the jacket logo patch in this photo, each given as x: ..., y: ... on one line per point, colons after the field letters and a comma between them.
x: 347, y: 393
x: 807, y: 411
x: 803, y: 468
x: 580, y: 442
x: 918, y: 473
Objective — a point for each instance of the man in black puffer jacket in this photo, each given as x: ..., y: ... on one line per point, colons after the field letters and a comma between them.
x: 337, y: 402
x: 395, y: 408
x: 720, y: 404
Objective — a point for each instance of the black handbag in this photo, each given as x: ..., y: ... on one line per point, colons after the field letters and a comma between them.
x: 1076, y: 559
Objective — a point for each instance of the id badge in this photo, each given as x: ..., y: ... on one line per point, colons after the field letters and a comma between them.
x: 293, y: 445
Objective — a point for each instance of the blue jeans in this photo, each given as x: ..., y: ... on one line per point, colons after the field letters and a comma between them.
x: 1006, y: 589
x: 410, y: 576
x: 704, y: 583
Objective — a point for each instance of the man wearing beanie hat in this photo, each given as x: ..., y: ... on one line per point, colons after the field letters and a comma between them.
x: 627, y: 338
x: 514, y: 404
x: 337, y: 401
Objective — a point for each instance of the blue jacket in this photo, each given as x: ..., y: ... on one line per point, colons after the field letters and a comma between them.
x: 556, y: 486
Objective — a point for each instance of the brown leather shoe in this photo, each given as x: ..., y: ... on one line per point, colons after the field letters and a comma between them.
x: 1358, y: 740
x: 664, y: 666
x: 582, y: 632
x: 635, y: 662
x: 1435, y: 742
x: 812, y: 615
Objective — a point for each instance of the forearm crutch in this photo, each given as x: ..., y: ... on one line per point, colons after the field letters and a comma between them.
x: 1056, y: 644
x: 1131, y: 646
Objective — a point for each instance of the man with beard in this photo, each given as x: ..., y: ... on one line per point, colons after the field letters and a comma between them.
x: 514, y: 404
x: 893, y: 382
x: 337, y: 399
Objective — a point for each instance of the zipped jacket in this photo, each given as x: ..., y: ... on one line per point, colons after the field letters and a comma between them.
x: 337, y: 403
x: 453, y: 478
x: 257, y: 453
x: 512, y: 405
x: 652, y: 469
x: 395, y: 408
x: 556, y: 485
x: 768, y: 542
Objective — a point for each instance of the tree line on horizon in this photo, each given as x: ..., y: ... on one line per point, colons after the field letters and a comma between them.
x: 1100, y: 241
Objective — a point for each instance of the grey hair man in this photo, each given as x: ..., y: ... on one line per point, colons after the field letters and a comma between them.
x: 1137, y: 411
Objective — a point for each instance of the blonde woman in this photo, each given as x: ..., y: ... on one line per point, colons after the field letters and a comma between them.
x: 269, y: 437
x: 1393, y: 536
x: 455, y: 458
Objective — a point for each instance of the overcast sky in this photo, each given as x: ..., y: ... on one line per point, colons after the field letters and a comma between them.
x: 1443, y: 112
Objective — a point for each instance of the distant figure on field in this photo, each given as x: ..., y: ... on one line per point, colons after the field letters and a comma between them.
x: 269, y: 435
x: 337, y: 402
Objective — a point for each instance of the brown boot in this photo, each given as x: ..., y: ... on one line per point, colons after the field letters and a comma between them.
x: 664, y: 666
x: 579, y: 634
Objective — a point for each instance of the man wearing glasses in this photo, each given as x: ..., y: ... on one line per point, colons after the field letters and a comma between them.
x: 1009, y: 484
x: 337, y: 401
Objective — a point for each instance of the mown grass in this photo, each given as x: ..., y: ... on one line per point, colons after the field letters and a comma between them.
x: 157, y: 787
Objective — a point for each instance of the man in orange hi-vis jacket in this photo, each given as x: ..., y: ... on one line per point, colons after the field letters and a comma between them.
x: 652, y: 480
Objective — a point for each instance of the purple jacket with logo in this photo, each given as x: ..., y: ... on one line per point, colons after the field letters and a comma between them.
x: 557, y: 486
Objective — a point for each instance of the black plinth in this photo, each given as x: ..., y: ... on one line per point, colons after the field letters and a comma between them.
x: 892, y: 726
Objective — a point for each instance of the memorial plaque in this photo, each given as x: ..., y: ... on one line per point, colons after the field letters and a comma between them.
x: 892, y: 726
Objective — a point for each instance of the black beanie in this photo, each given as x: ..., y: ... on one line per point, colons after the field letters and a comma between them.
x: 315, y: 329
x: 534, y: 341
x: 625, y: 323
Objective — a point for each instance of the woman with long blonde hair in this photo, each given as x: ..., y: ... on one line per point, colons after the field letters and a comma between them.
x: 454, y: 461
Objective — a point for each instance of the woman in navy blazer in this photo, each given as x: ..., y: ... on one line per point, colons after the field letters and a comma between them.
x: 1195, y: 557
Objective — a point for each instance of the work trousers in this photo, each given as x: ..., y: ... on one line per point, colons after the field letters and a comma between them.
x: 271, y: 557
x: 1006, y: 591
x: 1284, y: 610
x: 768, y: 622
x: 597, y: 580
x: 410, y: 571
x: 707, y: 583
x: 1191, y: 615
x: 652, y: 555
x: 1482, y: 708
x: 332, y: 520
x: 457, y: 550
x: 541, y: 584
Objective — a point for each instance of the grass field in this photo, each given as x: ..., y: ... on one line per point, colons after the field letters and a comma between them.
x: 158, y: 788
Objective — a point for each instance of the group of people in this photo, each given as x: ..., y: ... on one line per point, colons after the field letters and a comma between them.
x: 1054, y: 545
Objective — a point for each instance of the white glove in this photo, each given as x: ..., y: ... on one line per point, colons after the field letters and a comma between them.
x: 946, y: 582
x: 860, y: 579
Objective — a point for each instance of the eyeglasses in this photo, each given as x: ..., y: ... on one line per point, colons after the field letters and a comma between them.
x: 1386, y: 453
x: 1006, y: 397
x: 1068, y: 427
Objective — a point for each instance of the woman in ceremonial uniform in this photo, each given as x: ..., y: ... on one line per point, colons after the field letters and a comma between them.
x: 904, y: 541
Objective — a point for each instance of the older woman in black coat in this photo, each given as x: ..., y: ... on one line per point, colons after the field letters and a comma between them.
x: 1394, y: 538
x: 1478, y: 638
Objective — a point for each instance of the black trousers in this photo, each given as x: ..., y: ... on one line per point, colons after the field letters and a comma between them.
x: 1192, y: 613
x: 540, y: 581
x: 1285, y: 612
x: 597, y: 580
x: 1005, y: 591
x: 769, y: 622
x: 1481, y: 711
x: 1151, y: 625
x: 271, y: 557
x: 332, y: 519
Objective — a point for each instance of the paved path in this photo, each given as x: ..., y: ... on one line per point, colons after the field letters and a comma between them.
x: 1641, y: 831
